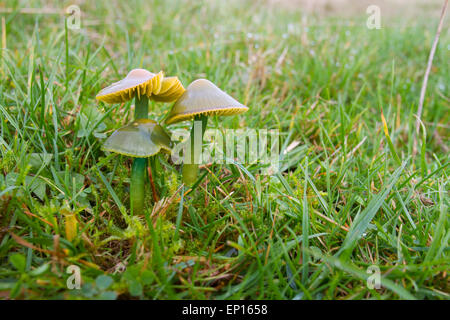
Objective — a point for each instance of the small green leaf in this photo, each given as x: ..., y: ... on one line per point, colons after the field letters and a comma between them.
x: 18, y: 261
x: 88, y: 290
x: 135, y: 288
x: 103, y: 282
x: 36, y: 185
x: 147, y: 277
x: 37, y: 160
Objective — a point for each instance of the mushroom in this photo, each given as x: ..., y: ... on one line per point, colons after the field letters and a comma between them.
x: 171, y: 90
x: 141, y: 85
x: 201, y: 99
x: 141, y: 139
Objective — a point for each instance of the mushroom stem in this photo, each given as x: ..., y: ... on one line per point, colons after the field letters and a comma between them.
x: 190, y: 170
x: 139, y: 167
x: 137, y: 193
x: 141, y: 107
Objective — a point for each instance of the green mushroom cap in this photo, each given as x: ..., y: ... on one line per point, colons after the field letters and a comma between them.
x: 142, y: 138
x: 202, y: 97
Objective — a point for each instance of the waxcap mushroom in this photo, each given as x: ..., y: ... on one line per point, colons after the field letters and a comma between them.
x: 202, y: 97
x: 171, y: 90
x: 142, y: 138
x: 137, y: 81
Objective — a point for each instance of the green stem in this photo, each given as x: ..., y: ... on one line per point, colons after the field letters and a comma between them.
x: 141, y: 107
x: 137, y: 188
x: 139, y: 167
x: 190, y: 170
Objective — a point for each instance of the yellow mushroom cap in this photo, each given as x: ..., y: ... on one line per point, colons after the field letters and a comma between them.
x: 142, y: 138
x: 137, y: 81
x: 203, y: 97
x: 171, y: 90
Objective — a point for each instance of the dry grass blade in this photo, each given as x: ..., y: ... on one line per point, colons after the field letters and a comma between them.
x: 427, y: 74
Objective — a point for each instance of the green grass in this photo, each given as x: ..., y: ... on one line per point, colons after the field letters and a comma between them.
x: 349, y: 195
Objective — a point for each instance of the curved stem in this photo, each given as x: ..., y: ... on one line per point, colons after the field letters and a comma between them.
x: 139, y: 167
x: 190, y: 170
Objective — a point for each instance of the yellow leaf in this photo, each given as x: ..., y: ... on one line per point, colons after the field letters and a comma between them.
x: 385, y: 127
x: 71, y: 226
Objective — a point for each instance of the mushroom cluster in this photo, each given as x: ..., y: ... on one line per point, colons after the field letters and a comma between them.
x: 144, y: 138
